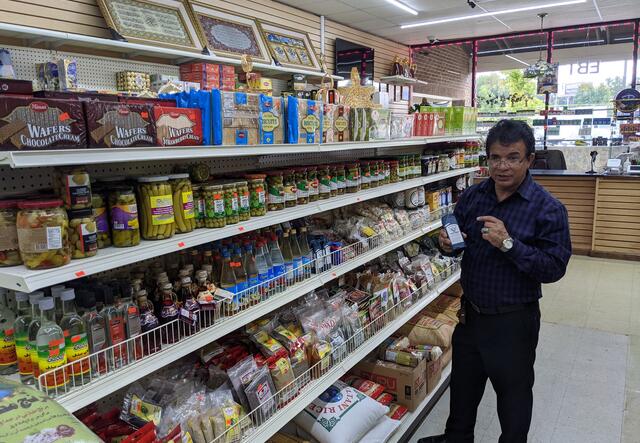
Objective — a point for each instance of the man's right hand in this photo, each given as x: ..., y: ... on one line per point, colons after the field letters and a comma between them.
x: 445, y: 243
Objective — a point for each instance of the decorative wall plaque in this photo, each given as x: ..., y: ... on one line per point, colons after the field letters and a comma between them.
x: 163, y: 23
x: 229, y: 34
x: 290, y: 47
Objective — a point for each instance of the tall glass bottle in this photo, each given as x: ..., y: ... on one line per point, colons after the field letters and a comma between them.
x: 131, y: 314
x: 278, y: 263
x: 187, y: 298
x: 116, y: 330
x: 267, y: 256
x: 298, y: 271
x: 96, y: 327
x: 287, y: 254
x: 8, y: 358
x: 151, y: 342
x: 249, y: 264
x: 75, y: 338
x: 55, y: 293
x: 195, y: 258
x: 227, y: 277
x: 21, y: 334
x: 32, y: 331
x: 305, y: 251
x: 52, y: 354
x: 241, y: 276
x: 168, y: 313
x: 262, y: 267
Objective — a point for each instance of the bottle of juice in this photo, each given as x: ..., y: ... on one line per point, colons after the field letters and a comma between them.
x: 52, y: 354
x: 8, y: 357
x: 76, y: 340
x: 34, y: 325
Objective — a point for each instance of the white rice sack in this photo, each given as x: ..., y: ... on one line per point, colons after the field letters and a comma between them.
x: 382, y: 431
x: 340, y: 415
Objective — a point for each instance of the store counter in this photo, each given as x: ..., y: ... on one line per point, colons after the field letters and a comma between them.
x: 604, y: 211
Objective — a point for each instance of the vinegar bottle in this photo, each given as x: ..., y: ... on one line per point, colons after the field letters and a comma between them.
x: 52, y: 354
x: 75, y: 339
x: 8, y: 357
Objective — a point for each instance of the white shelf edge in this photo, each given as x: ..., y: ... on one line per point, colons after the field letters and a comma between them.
x: 19, y: 278
x: 408, y: 420
x: 318, y: 386
x: 101, y: 387
x: 63, y: 157
x: 62, y: 38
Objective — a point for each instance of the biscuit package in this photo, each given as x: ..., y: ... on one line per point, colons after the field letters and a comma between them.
x: 27, y: 123
x: 335, y: 123
x: 178, y: 126
x: 116, y: 125
x: 370, y: 124
x: 304, y: 120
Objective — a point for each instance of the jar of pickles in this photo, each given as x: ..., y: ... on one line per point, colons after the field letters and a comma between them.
x: 215, y: 215
x: 365, y: 175
x: 9, y: 251
x: 353, y: 177
x: 43, y: 237
x: 231, y: 203
x: 324, y: 182
x: 157, y: 218
x: 373, y: 178
x: 333, y: 183
x: 402, y: 168
x: 290, y: 194
x: 123, y: 213
x: 257, y: 194
x: 275, y: 186
x: 341, y: 179
x: 386, y: 168
x: 394, y: 171
x: 183, y: 204
x: 244, y: 205
x: 74, y: 187
x: 83, y: 233
x: 312, y: 178
x: 198, y: 205
x: 302, y: 186
x: 99, y: 205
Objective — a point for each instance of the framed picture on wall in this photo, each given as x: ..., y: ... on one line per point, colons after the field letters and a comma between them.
x: 228, y: 34
x: 163, y: 23
x: 289, y: 47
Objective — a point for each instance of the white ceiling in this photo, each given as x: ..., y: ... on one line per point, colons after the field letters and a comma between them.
x: 381, y: 18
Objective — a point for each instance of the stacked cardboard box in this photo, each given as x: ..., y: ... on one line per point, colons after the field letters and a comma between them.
x: 209, y: 75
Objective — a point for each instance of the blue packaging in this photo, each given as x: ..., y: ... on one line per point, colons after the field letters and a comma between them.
x: 304, y: 121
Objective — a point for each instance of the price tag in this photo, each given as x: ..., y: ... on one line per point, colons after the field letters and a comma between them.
x: 240, y: 228
x: 181, y: 244
x: 80, y: 274
x: 334, y: 275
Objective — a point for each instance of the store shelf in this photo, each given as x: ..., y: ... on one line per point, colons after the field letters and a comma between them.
x: 317, y: 387
x: 401, y: 80
x: 56, y: 39
x: 20, y: 278
x: 82, y: 396
x: 30, y: 159
x: 409, y: 420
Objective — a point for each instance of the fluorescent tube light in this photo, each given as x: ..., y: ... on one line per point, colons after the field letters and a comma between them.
x: 493, y: 51
x: 516, y: 59
x: 578, y: 43
x: 492, y: 13
x: 402, y: 6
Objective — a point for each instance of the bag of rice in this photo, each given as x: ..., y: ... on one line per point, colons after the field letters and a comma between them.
x: 381, y: 431
x: 425, y: 330
x: 341, y: 414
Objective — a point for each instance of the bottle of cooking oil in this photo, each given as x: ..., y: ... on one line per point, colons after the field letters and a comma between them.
x: 8, y: 358
x: 51, y: 350
x: 32, y: 332
x: 76, y: 341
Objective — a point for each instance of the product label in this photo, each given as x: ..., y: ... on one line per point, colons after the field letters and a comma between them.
x: 276, y: 194
x: 313, y: 187
x: 78, y: 190
x: 9, y: 240
x: 52, y: 356
x: 188, y: 209
x: 215, y: 206
x: 124, y: 217
x: 98, y: 342
x: 25, y: 366
x: 89, y: 236
x: 117, y: 334
x: 341, y: 124
x: 289, y: 270
x: 161, y: 209
x: 7, y: 348
x: 325, y: 185
x: 234, y: 203
x: 297, y: 267
x: 133, y: 321
x: 352, y: 179
x: 334, y: 183
x: 278, y: 270
x: 102, y: 221
x: 269, y: 121
x: 77, y: 349
x: 310, y: 124
x: 145, y: 410
x: 244, y: 202
x: 36, y: 240
x: 289, y: 193
x: 200, y: 209
x: 302, y: 189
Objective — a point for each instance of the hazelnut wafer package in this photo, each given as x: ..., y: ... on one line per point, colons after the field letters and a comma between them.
x: 117, y: 125
x: 40, y: 124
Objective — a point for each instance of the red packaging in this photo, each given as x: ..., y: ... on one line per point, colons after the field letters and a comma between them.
x: 370, y: 388
x: 385, y: 398
x: 430, y: 123
x: 417, y: 124
x: 119, y: 125
x: 396, y: 411
x: 178, y: 126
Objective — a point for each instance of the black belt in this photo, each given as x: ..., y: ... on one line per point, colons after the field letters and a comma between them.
x: 501, y: 309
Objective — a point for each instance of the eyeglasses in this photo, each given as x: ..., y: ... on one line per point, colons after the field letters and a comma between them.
x: 509, y: 162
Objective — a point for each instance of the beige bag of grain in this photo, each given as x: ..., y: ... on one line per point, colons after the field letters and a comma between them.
x: 425, y: 330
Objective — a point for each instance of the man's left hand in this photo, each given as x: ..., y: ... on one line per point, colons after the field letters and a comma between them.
x: 493, y: 231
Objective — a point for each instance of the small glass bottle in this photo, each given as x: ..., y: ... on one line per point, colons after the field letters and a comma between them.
x: 187, y: 298
x: 151, y: 341
x: 32, y: 332
x: 168, y: 313
x: 76, y: 340
x: 116, y: 329
x: 50, y: 343
x: 21, y: 333
x: 96, y: 328
x: 8, y: 357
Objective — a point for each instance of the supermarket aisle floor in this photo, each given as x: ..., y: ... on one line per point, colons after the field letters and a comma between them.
x: 588, y: 367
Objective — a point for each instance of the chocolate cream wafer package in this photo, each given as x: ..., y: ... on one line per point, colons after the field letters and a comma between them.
x: 34, y: 124
x: 116, y: 125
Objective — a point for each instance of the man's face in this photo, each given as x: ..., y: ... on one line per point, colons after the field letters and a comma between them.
x: 508, y: 164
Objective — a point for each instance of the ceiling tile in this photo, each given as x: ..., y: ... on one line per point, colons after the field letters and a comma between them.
x: 352, y: 17
x: 362, y: 4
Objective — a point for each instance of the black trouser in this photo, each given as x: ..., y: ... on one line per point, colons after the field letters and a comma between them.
x: 502, y: 348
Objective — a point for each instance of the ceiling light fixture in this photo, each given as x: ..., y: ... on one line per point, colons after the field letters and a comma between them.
x: 516, y: 59
x: 402, y: 6
x: 488, y: 14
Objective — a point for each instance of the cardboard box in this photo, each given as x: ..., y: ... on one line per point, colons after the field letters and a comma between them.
x: 455, y: 290
x: 433, y: 373
x: 407, y: 385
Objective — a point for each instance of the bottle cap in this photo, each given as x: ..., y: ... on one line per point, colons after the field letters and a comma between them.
x: 21, y: 296
x: 56, y: 290
x: 167, y: 287
x: 202, y: 273
x: 67, y: 294
x: 186, y: 280
x: 35, y: 296
x: 141, y: 293
x: 46, y: 303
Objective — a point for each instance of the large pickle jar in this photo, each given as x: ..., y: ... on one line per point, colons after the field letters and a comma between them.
x: 198, y: 205
x: 353, y: 177
x: 244, y: 200
x: 341, y: 179
x: 324, y: 182
x: 290, y: 192
x: 312, y: 178
x: 99, y: 205
x: 73, y: 186
x: 123, y: 213
x: 257, y: 194
x: 9, y: 251
x: 83, y: 233
x: 157, y: 220
x: 42, y: 234
x: 214, y: 206
x: 183, y: 203
x: 365, y: 175
x: 333, y: 183
x: 275, y: 186
x: 302, y: 186
x: 231, y: 203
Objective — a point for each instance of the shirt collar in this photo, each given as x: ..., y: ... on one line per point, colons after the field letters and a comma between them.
x: 525, y: 189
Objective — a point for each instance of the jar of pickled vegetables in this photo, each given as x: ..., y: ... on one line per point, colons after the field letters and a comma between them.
x: 215, y: 215
x: 394, y: 171
x: 43, y: 238
x: 302, y: 186
x: 365, y: 175
x: 324, y: 182
x: 73, y: 186
x: 353, y: 177
x: 386, y: 168
x: 244, y: 197
x: 374, y: 178
x: 157, y: 219
x: 231, y: 203
x: 341, y: 179
x: 275, y: 186
x: 123, y: 213
x: 312, y: 178
x: 9, y: 251
x: 183, y: 204
x: 99, y: 205
x: 333, y: 183
x: 257, y: 194
x: 83, y: 233
x: 290, y: 193
x: 198, y: 205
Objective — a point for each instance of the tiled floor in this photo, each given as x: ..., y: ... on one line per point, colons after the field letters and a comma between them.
x: 588, y: 367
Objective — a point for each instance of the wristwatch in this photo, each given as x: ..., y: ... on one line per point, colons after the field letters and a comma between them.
x: 507, y: 244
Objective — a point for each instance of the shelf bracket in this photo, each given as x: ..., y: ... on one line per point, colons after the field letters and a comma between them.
x: 115, y: 35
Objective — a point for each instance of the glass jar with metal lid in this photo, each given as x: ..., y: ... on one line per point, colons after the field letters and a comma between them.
x: 73, y: 186
x: 333, y: 183
x: 324, y: 182
x: 215, y: 215
x: 244, y: 197
x: 302, y: 185
x: 365, y: 174
x: 198, y: 205
x: 289, y: 183
x: 231, y: 203
x: 123, y: 213
x: 275, y: 186
x: 157, y: 219
x: 341, y: 179
x: 314, y: 184
x: 183, y: 202
x: 257, y: 194
x: 353, y: 177
x: 9, y: 251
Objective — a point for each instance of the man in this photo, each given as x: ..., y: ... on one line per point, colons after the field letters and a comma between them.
x: 517, y: 237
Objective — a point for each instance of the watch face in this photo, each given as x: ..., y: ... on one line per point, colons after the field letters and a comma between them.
x: 507, y: 243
